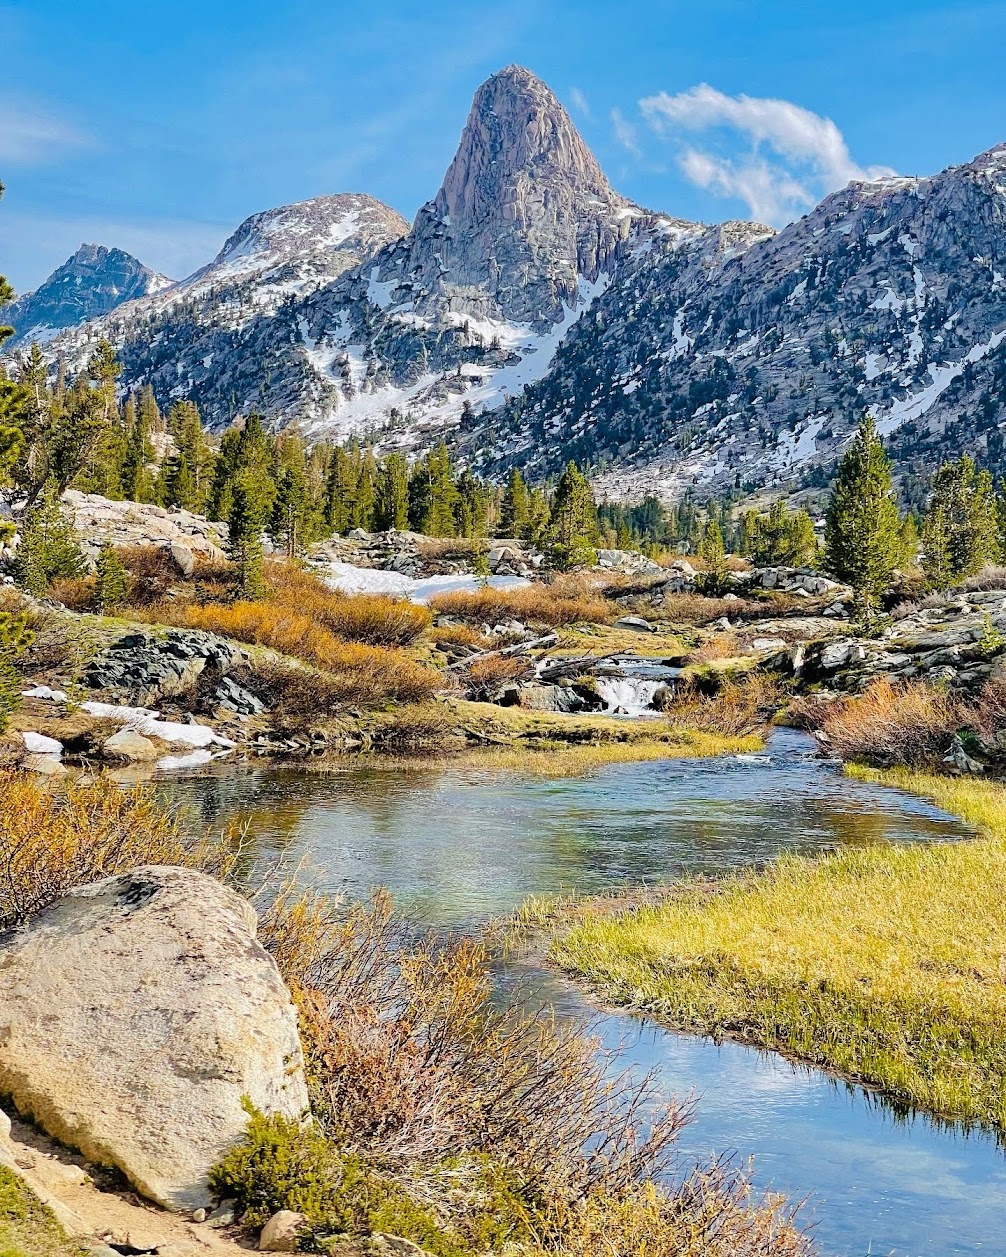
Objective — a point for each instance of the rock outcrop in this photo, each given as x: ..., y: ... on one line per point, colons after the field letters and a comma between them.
x: 137, y: 1012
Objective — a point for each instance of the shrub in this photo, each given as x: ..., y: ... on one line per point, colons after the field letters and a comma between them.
x: 549, y: 605
x: 989, y: 578
x: 15, y: 638
x: 890, y: 723
x: 151, y: 573
x: 291, y: 690
x: 366, y: 674
x: 740, y: 704
x: 487, y: 674
x: 56, y: 838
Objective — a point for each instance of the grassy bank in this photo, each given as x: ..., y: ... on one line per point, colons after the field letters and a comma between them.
x: 27, y: 1228
x: 886, y: 964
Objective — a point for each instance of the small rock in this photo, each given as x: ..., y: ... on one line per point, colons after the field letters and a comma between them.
x: 130, y: 746
x: 199, y: 1215
x: 634, y: 622
x: 183, y: 559
x: 225, y: 1214
x: 281, y: 1234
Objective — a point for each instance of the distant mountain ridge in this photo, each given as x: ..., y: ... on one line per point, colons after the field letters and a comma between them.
x: 531, y: 314
x: 90, y: 283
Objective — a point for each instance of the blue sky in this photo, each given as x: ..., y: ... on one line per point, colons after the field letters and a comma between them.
x: 158, y: 126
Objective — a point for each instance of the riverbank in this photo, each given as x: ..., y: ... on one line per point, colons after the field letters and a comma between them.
x: 884, y: 964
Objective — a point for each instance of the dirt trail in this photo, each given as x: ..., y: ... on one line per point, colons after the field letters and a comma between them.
x: 96, y: 1216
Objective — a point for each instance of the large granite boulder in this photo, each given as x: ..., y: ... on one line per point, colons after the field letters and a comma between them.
x: 137, y: 1012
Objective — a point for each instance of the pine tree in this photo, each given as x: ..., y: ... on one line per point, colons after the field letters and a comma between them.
x: 862, y: 528
x: 713, y: 553
x: 391, y: 508
x: 112, y: 583
x: 537, y: 518
x: 246, y: 522
x: 783, y: 538
x: 433, y: 495
x: 137, y: 485
x: 960, y: 533
x: 472, y: 511
x: 341, y: 486
x: 48, y: 548
x: 572, y: 529
x: 289, y: 525
x: 514, y: 514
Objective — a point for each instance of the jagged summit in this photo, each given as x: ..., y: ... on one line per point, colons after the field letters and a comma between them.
x: 523, y: 217
x: 90, y: 283
x: 517, y: 134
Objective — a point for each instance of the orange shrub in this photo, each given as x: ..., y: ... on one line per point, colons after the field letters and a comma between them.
x: 549, y: 605
x: 365, y: 674
x: 910, y: 722
x: 372, y: 618
x: 489, y: 673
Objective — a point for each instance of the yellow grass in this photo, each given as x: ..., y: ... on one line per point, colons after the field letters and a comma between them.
x: 883, y: 963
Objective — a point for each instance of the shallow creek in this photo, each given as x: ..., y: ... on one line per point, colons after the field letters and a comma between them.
x: 459, y: 845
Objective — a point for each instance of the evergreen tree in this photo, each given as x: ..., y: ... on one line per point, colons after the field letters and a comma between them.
x: 289, y: 524
x: 514, y: 514
x: 187, y: 471
x: 537, y: 518
x: 15, y: 638
x: 247, y: 519
x: 960, y: 533
x: 137, y: 484
x: 572, y: 529
x: 472, y: 511
x: 863, y: 527
x: 433, y: 496
x: 782, y: 538
x: 392, y: 503
x: 112, y: 583
x: 713, y: 553
x: 341, y: 487
x: 48, y: 549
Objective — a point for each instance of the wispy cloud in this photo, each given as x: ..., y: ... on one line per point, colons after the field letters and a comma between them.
x: 29, y: 136
x: 579, y: 102
x: 625, y: 133
x: 791, y: 156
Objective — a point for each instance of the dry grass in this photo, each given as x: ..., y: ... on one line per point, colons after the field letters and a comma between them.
x: 991, y: 577
x: 720, y: 646
x: 423, y: 729
x: 550, y: 606
x: 60, y: 836
x: 883, y: 963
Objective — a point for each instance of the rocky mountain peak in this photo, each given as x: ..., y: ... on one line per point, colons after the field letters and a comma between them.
x: 523, y: 220
x: 517, y: 135
x: 90, y: 283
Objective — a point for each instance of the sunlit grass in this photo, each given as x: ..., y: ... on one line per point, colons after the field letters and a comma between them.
x: 886, y: 963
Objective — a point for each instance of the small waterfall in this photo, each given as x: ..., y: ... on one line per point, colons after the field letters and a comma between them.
x: 628, y: 696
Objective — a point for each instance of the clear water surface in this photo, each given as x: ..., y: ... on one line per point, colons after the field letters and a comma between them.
x: 458, y: 846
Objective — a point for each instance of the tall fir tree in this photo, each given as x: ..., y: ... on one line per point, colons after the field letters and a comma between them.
x: 391, y: 509
x: 572, y: 529
x: 433, y: 496
x: 863, y: 526
x: 514, y: 513
x: 960, y: 533
x: 249, y: 512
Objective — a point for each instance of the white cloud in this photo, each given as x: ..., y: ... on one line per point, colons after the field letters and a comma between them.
x: 811, y: 157
x: 28, y: 137
x: 579, y: 102
x: 625, y: 132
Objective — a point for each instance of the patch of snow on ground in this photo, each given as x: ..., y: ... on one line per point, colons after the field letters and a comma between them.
x: 941, y: 378
x: 39, y: 744
x: 871, y: 368
x: 367, y: 580
x: 144, y: 720
x: 379, y: 290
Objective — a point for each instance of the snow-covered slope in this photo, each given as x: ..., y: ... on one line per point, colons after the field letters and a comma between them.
x: 200, y: 337
x: 741, y: 356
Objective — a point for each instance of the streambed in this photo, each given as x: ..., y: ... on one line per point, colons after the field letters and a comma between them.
x: 456, y: 846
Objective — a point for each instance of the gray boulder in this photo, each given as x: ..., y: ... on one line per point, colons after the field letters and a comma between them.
x: 137, y: 1013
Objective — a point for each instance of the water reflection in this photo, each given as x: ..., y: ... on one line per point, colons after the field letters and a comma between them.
x: 458, y: 846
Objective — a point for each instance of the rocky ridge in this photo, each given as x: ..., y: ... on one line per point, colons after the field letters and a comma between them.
x: 91, y: 283
x: 744, y: 357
